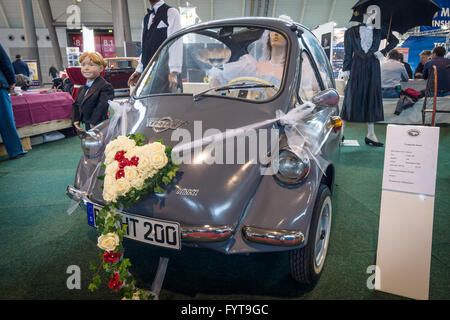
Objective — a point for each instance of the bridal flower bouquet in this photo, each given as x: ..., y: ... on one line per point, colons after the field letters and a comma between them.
x: 132, y: 170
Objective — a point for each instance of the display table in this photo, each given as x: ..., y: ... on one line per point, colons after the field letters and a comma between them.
x: 38, y: 113
x: 413, y: 115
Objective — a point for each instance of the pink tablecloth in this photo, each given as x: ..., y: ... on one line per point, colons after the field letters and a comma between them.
x: 41, y: 107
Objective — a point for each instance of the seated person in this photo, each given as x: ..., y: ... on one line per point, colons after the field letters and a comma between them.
x: 91, y: 105
x: 392, y: 73
x: 269, y: 66
x: 424, y: 57
x: 443, y: 73
x: 407, y: 66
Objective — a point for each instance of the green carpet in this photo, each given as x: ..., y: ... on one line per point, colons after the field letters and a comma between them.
x: 39, y: 241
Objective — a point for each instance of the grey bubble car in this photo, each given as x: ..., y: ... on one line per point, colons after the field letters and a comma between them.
x: 230, y: 74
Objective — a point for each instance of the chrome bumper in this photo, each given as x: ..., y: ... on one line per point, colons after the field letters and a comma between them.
x: 206, y: 233
x: 284, y: 238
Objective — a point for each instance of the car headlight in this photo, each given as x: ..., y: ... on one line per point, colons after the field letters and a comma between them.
x: 91, y: 142
x: 292, y: 168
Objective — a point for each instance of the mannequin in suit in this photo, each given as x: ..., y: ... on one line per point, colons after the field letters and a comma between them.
x: 91, y: 105
x: 363, y: 99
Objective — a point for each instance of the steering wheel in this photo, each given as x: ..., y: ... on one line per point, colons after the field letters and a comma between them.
x: 257, y: 80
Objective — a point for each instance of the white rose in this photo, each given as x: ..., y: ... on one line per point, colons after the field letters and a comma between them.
x: 109, y: 190
x: 111, y: 169
x: 119, y: 144
x: 131, y: 173
x: 113, y: 146
x: 156, y: 147
x: 138, y: 183
x: 158, y: 160
x: 110, y: 195
x: 122, y: 186
x: 108, y: 242
x: 144, y: 163
x: 126, y: 142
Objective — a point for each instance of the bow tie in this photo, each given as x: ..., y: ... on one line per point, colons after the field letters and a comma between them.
x: 151, y: 11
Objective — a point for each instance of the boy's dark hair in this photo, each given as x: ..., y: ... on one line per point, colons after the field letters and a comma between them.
x: 439, y: 51
x: 18, y: 56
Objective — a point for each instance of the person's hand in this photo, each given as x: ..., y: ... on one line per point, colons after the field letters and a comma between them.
x: 173, y: 82
x: 133, y: 79
x: 344, y: 75
x: 77, y: 125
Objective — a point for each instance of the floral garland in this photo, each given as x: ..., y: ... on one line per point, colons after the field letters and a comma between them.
x: 132, y: 170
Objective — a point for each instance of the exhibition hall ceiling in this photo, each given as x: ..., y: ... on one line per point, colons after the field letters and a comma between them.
x: 98, y: 12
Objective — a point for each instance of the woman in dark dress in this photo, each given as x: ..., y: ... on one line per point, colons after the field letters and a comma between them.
x: 363, y: 101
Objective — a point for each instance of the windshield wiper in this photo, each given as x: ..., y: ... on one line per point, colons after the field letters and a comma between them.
x: 241, y: 85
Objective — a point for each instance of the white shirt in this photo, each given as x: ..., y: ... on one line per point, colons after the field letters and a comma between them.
x: 88, y: 85
x: 392, y: 72
x: 176, y: 49
x: 366, y: 33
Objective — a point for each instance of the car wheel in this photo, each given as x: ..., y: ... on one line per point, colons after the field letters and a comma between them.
x: 307, y: 262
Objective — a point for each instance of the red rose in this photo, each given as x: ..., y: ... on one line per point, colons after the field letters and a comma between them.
x: 124, y: 162
x: 119, y: 155
x: 111, y: 257
x: 134, y: 161
x: 120, y: 174
x: 115, y: 283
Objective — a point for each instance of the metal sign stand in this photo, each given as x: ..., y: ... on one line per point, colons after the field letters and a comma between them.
x: 159, y: 277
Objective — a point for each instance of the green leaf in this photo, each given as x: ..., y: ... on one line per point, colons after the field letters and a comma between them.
x: 96, y: 280
x: 92, y: 287
x: 158, y: 189
x: 93, y: 267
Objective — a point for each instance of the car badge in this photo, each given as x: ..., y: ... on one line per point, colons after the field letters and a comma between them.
x: 163, y: 124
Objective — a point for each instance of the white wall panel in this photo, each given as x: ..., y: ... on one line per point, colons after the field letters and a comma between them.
x: 291, y: 8
x: 227, y: 9
x: 317, y: 13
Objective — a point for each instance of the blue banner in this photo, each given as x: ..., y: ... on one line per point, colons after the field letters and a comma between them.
x: 442, y: 18
x: 417, y: 44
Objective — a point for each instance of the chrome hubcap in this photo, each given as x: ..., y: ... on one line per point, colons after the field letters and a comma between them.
x: 322, y: 235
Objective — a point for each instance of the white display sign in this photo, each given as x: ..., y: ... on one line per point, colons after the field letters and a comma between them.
x: 411, y: 159
x: 406, y: 213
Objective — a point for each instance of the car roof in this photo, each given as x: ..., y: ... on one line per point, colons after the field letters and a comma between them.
x: 249, y: 21
x: 121, y: 58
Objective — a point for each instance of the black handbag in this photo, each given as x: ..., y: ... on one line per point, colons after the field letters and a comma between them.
x: 405, y: 101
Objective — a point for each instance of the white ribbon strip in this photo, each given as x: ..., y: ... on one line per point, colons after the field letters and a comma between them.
x: 290, y: 118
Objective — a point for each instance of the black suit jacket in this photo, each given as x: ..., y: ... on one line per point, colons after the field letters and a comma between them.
x: 92, y: 107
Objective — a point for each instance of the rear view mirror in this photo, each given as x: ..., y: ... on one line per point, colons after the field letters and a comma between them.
x: 226, y: 32
x: 327, y: 98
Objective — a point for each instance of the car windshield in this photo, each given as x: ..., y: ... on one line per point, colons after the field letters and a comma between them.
x: 237, y: 62
x: 120, y: 64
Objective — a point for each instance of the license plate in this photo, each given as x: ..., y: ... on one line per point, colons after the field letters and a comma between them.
x: 152, y: 231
